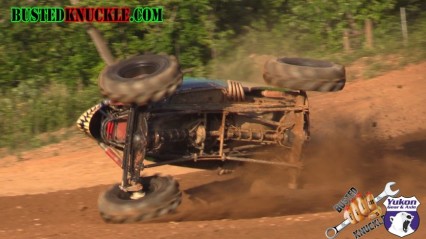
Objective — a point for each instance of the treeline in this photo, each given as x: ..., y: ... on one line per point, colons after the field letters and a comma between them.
x: 49, y: 71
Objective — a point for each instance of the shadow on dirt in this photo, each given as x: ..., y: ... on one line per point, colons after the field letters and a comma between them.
x: 414, y: 149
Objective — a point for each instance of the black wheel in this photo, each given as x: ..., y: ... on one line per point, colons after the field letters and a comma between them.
x: 141, y: 79
x: 162, y: 196
x: 304, y: 74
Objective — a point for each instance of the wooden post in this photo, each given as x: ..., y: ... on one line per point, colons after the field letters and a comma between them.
x: 368, y: 34
x: 404, y: 26
x: 346, y: 42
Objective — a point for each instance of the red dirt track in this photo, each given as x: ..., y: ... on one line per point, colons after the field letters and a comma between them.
x: 370, y: 133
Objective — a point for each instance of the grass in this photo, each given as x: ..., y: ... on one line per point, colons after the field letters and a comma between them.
x: 376, y: 69
x: 388, y: 53
x: 29, y: 115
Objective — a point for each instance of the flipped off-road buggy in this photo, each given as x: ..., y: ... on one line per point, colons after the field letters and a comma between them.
x: 152, y: 111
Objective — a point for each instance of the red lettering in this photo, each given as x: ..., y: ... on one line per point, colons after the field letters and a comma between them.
x: 89, y: 14
x: 108, y: 15
x: 69, y: 14
x: 99, y: 15
x: 125, y: 14
x: 116, y: 15
x: 80, y: 14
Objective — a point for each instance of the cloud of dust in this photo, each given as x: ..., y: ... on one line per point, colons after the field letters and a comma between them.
x: 334, y: 162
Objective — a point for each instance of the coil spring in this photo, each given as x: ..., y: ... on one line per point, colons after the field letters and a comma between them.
x: 235, y: 91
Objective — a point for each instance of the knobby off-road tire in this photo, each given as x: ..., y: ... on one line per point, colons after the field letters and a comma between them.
x: 141, y: 79
x: 304, y: 74
x: 162, y: 196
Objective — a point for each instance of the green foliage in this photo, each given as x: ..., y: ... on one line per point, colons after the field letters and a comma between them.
x: 49, y: 71
x: 27, y: 111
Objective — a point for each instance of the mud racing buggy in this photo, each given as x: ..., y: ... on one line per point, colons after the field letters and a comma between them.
x: 151, y: 111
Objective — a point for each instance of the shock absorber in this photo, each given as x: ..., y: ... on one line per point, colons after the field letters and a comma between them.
x: 112, y: 154
x: 169, y: 136
x: 251, y: 135
x: 284, y: 138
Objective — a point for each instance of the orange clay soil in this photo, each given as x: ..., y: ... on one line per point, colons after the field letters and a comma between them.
x: 372, y: 132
